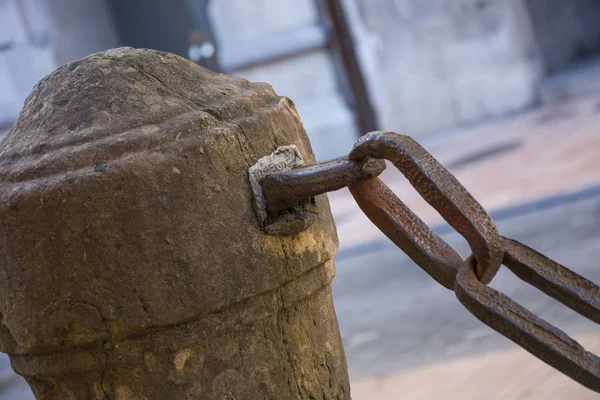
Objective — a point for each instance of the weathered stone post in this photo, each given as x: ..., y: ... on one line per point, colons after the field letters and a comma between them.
x: 132, y: 264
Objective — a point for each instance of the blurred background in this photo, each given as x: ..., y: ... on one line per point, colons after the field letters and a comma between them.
x: 506, y: 93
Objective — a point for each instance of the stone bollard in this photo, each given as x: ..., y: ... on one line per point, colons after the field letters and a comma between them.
x: 133, y: 265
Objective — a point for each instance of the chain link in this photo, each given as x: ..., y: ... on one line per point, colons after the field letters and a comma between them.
x: 467, y: 278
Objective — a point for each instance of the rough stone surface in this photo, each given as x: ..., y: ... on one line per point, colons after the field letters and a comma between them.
x: 295, y: 219
x: 133, y: 263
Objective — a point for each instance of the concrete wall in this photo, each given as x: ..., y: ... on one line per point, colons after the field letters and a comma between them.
x: 436, y: 64
x: 25, y: 52
x: 237, y: 21
x: 566, y: 31
x: 156, y: 24
x: 429, y: 65
x: 308, y: 78
x: 37, y: 36
x: 81, y: 28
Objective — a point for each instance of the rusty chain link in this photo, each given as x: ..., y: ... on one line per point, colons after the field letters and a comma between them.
x: 467, y: 278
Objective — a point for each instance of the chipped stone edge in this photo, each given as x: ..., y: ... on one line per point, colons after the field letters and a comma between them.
x: 284, y: 158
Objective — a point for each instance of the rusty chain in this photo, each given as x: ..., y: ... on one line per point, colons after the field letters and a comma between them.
x: 467, y: 278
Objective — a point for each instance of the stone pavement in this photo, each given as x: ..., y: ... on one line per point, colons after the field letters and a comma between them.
x: 407, y: 337
x: 509, y: 375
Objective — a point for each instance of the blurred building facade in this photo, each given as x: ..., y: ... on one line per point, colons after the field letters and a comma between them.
x: 412, y: 66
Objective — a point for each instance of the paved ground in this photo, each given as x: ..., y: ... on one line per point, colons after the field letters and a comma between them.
x: 394, y: 318
x: 506, y: 375
x: 405, y: 336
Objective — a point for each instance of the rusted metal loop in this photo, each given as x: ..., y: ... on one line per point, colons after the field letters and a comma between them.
x: 407, y: 230
x: 287, y: 188
x: 556, y: 280
x: 532, y: 333
x: 442, y: 191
